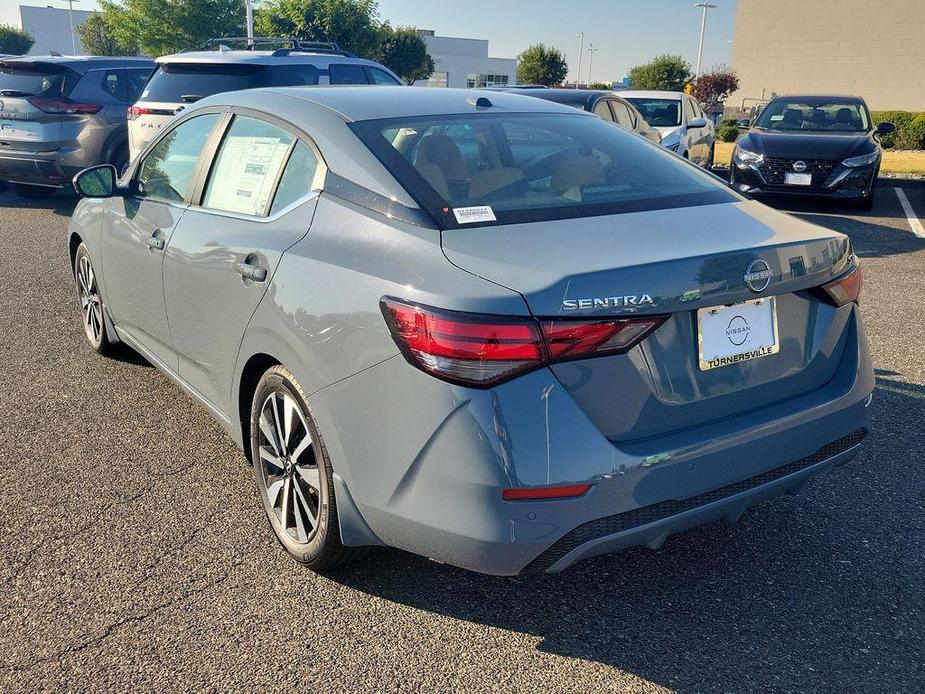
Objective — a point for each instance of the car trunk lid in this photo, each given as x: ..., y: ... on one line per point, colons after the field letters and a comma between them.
x: 24, y: 87
x: 671, y: 262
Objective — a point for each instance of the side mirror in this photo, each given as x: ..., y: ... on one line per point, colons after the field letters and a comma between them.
x: 96, y: 182
x: 885, y: 128
x: 697, y: 123
x: 743, y: 123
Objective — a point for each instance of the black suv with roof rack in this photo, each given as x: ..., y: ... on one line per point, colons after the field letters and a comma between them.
x: 233, y: 63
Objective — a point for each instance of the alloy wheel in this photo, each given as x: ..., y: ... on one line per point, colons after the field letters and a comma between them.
x: 289, y: 466
x: 90, y: 304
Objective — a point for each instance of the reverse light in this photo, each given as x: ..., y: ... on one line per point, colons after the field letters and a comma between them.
x: 846, y: 288
x: 862, y: 160
x: 57, y: 104
x: 569, y: 491
x: 481, y: 351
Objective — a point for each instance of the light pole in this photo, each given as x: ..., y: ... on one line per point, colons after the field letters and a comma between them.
x: 70, y: 16
x: 703, y: 23
x: 591, y: 51
x: 249, y: 8
x: 581, y: 48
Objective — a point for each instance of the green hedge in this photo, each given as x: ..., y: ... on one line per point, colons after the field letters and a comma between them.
x: 727, y: 133
x: 910, y: 129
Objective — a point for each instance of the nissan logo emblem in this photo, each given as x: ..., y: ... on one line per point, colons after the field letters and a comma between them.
x: 799, y: 166
x: 758, y: 276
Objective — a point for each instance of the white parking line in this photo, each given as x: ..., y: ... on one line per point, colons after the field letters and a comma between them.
x: 914, y: 222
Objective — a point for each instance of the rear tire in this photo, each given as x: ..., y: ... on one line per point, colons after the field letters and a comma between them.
x: 32, y: 192
x: 294, y: 474
x: 90, y: 302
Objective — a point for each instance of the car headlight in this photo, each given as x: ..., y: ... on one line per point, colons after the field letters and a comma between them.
x: 744, y: 158
x: 862, y: 160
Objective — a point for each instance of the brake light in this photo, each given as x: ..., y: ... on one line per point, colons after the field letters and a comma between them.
x: 135, y: 111
x: 541, y: 493
x: 55, y: 104
x: 846, y: 288
x: 481, y: 351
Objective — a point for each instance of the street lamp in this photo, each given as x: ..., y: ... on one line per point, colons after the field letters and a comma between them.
x: 591, y: 52
x: 581, y: 47
x: 70, y: 16
x: 249, y: 10
x: 703, y: 23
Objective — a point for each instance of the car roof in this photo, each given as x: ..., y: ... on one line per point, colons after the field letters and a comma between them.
x: 650, y: 94
x: 582, y: 97
x: 819, y: 98
x: 302, y: 57
x: 82, y: 63
x: 369, y: 102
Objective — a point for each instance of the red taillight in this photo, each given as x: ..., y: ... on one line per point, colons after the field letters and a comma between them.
x: 482, y: 351
x: 846, y: 288
x: 56, y: 104
x: 569, y: 491
x: 135, y: 111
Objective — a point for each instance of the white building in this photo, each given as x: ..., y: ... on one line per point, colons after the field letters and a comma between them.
x: 465, y: 63
x: 51, y: 29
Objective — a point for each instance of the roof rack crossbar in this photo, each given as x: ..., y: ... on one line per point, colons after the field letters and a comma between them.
x: 295, y: 45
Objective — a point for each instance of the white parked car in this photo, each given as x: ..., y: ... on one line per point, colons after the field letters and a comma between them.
x: 681, y: 122
x: 184, y: 78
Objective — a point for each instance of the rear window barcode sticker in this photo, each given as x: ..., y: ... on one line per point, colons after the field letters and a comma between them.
x: 469, y: 215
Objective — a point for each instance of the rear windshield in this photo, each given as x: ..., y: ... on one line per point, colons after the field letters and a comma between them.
x: 659, y: 113
x: 508, y: 168
x: 817, y: 116
x: 35, y: 79
x: 179, y: 82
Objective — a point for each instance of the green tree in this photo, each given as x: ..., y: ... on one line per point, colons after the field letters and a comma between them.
x: 599, y: 85
x: 665, y: 72
x: 404, y: 52
x: 13, y: 41
x: 158, y: 27
x: 351, y: 24
x: 541, y: 64
x: 96, y: 38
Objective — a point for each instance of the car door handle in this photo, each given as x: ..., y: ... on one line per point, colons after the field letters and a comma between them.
x: 257, y: 273
x: 154, y: 242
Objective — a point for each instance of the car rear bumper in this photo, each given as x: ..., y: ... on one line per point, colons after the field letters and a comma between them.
x: 844, y: 182
x: 45, y: 169
x: 426, y: 463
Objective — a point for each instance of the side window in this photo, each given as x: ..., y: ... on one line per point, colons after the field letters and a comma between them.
x: 689, y: 113
x: 113, y: 83
x: 247, y: 166
x: 623, y: 116
x: 347, y: 74
x: 97, y: 85
x: 293, y: 75
x: 603, y: 110
x: 136, y: 83
x: 167, y: 172
x: 377, y: 76
x: 298, y: 178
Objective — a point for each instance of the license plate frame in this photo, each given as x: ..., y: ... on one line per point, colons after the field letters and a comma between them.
x: 754, y: 321
x: 798, y: 179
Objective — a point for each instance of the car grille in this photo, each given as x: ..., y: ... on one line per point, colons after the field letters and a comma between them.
x: 773, y: 170
x: 649, y: 514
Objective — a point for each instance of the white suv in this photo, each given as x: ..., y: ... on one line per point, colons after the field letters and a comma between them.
x: 680, y: 121
x: 184, y: 78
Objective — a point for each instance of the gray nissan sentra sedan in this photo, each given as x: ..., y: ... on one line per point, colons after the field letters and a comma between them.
x: 488, y: 329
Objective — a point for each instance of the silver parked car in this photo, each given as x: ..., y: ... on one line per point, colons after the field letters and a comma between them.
x: 489, y: 329
x: 59, y: 115
x: 681, y: 122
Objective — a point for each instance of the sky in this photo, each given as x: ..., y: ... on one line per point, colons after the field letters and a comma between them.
x: 625, y: 32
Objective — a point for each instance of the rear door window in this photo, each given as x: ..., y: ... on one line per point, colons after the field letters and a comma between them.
x: 299, y: 178
x: 293, y: 75
x: 623, y: 115
x: 167, y: 171
x: 603, y: 110
x: 105, y: 85
x: 377, y: 76
x: 347, y: 74
x: 188, y: 82
x: 247, y: 167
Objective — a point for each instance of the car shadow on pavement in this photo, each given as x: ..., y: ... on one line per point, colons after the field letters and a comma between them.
x: 820, y: 591
x: 60, y: 203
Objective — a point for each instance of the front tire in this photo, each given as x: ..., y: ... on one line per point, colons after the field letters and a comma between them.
x: 294, y: 474
x: 90, y: 302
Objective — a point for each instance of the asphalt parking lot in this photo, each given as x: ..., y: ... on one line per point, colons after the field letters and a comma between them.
x: 135, y: 552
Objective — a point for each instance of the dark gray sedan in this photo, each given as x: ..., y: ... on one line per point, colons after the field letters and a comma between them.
x: 481, y: 327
